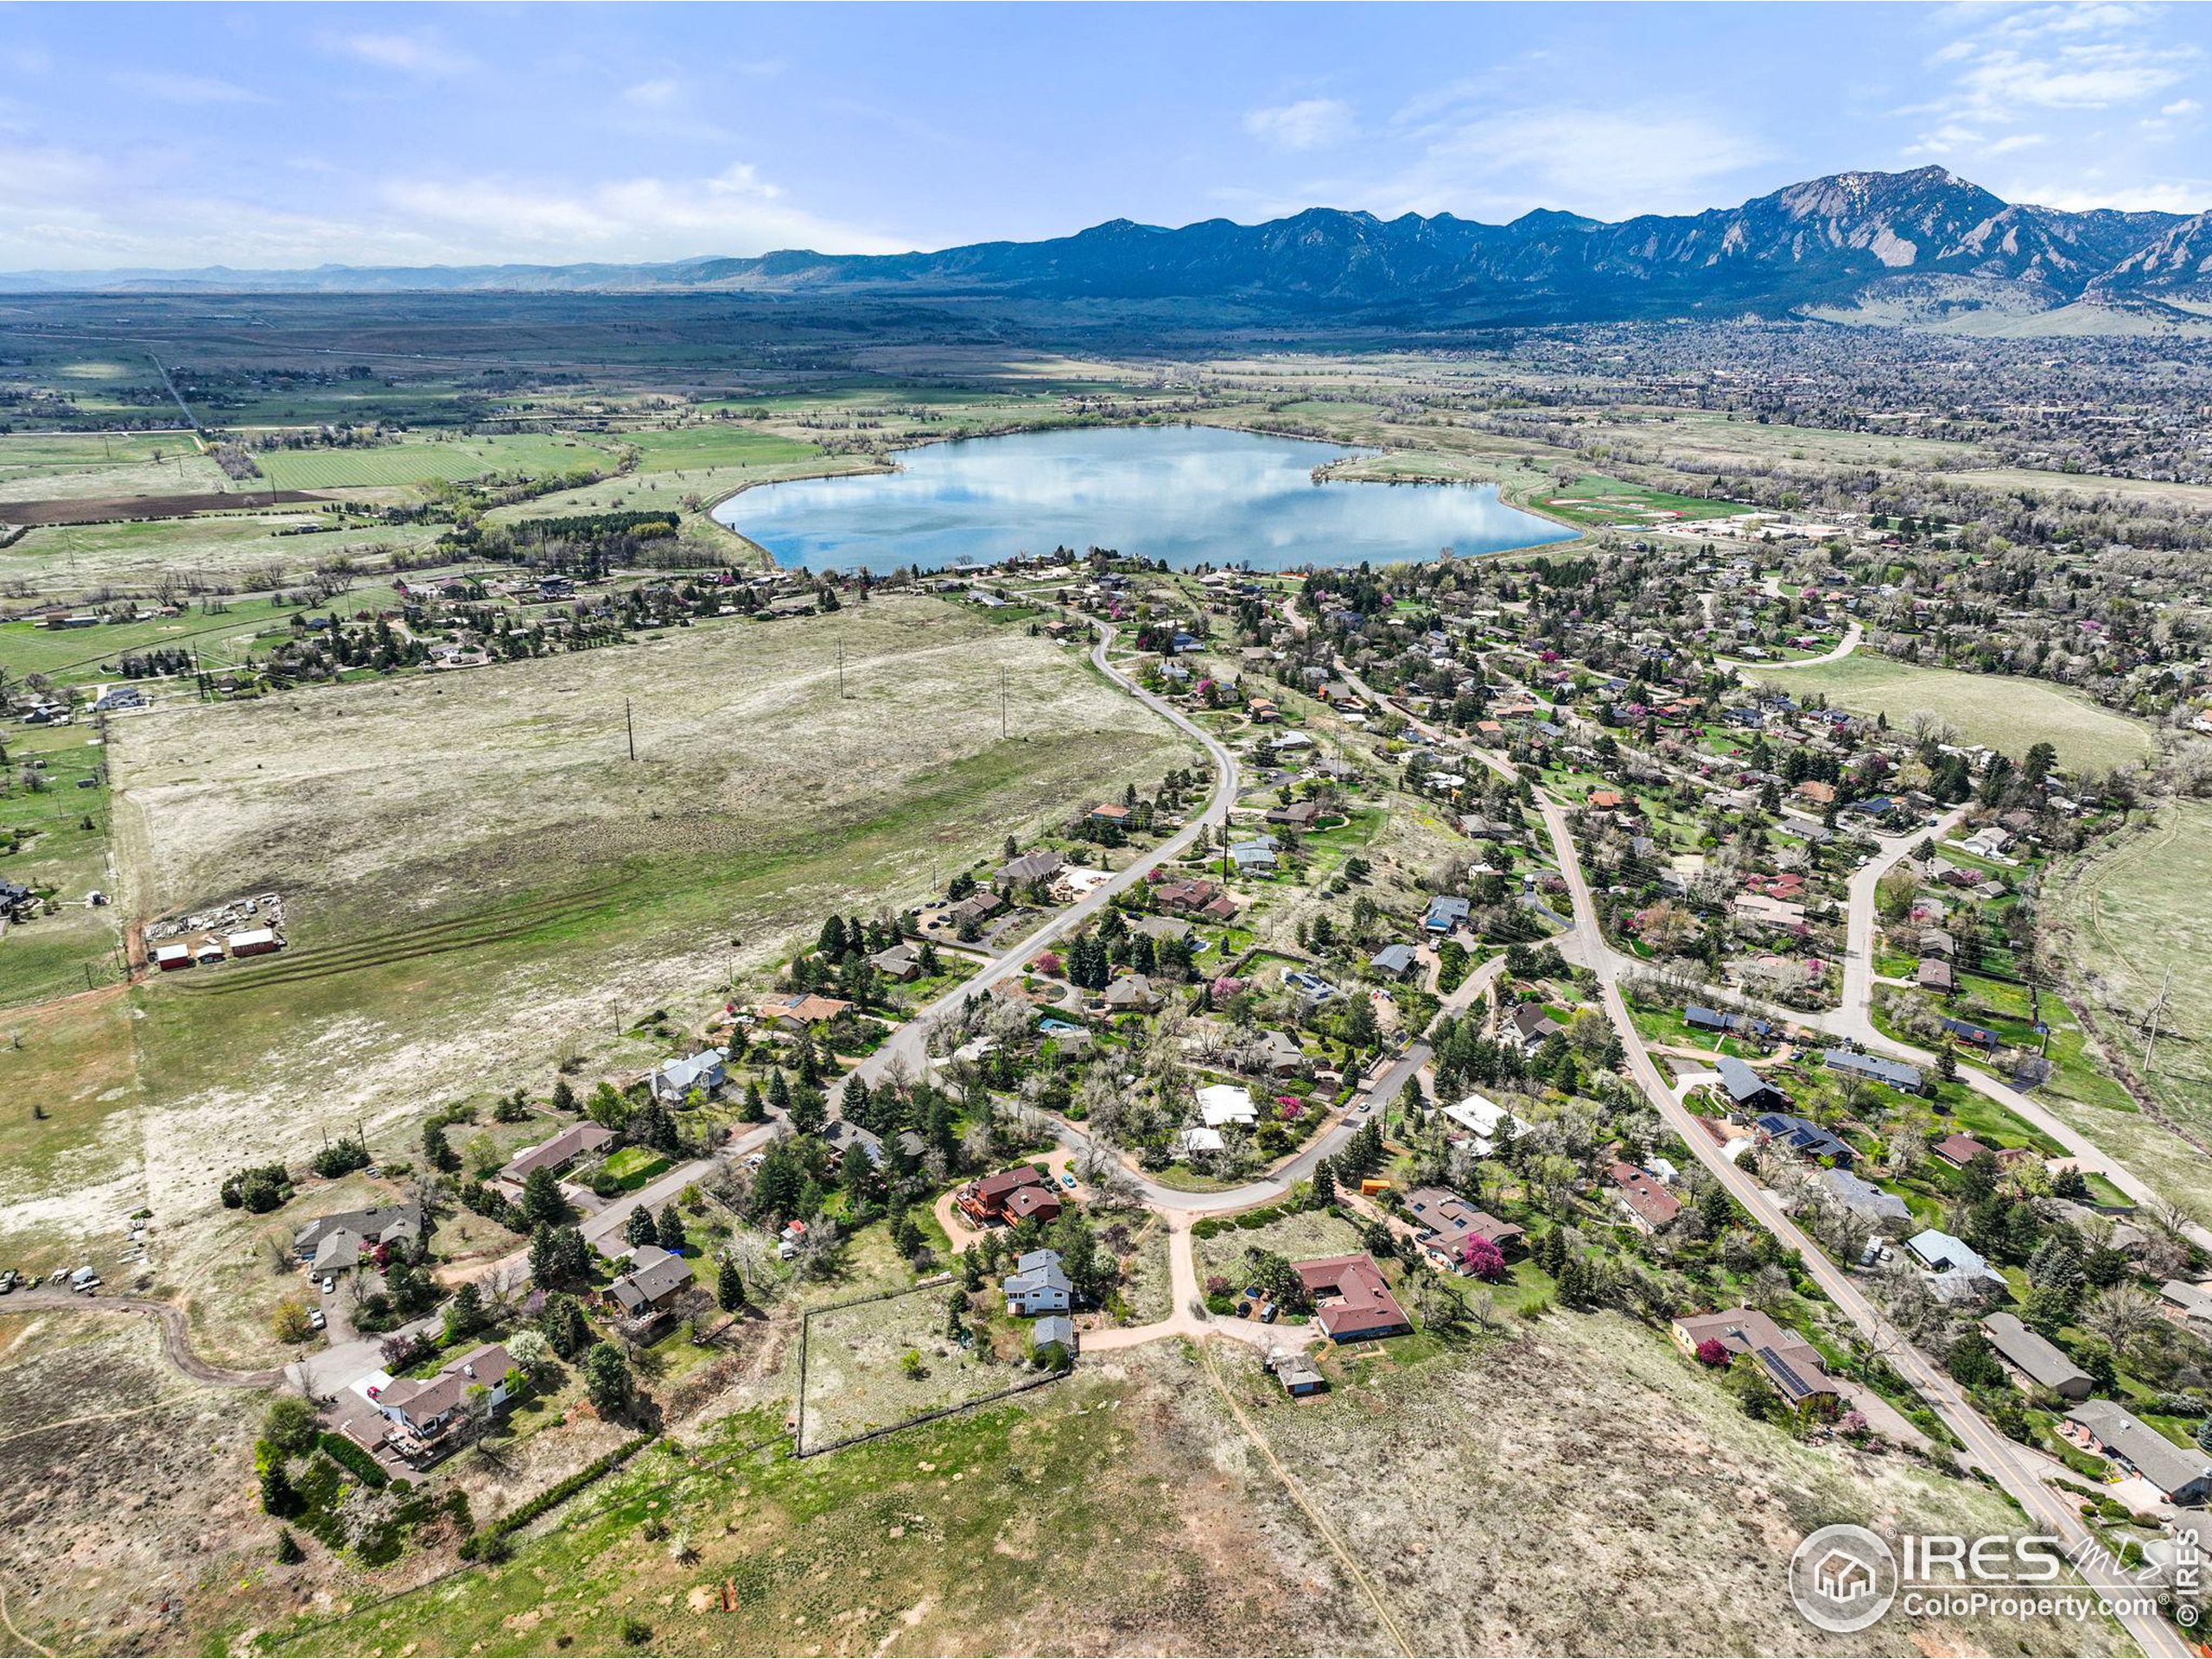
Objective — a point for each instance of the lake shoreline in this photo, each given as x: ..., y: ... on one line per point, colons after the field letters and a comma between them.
x: 1142, y: 503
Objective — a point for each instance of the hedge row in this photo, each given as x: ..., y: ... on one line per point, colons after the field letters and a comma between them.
x: 482, y: 1544
x: 346, y: 1455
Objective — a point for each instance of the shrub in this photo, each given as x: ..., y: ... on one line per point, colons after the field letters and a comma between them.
x: 289, y: 1425
x: 488, y: 1543
x: 346, y: 1455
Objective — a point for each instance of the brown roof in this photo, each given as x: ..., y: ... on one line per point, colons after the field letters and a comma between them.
x: 1038, y: 1201
x: 1789, y: 1360
x: 1354, y: 1300
x: 1643, y: 1194
x: 1960, y: 1149
x: 571, y: 1143
x: 1005, y: 1183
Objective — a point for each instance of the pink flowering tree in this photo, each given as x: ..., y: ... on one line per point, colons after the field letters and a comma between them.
x: 1484, y: 1259
x: 1712, y: 1352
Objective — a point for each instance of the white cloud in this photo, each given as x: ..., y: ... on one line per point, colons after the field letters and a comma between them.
x: 654, y: 94
x: 1610, y: 164
x: 2181, y: 106
x: 1310, y: 123
x: 735, y: 213
x: 422, y: 53
x: 185, y: 89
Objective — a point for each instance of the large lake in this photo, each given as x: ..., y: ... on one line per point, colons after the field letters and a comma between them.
x: 1188, y: 494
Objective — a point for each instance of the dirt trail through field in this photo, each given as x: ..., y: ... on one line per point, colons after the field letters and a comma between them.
x: 1328, y: 1533
x: 177, y: 1333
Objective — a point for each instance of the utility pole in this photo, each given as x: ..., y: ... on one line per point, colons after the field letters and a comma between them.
x: 2150, y: 1045
x: 629, y: 729
x: 1002, y: 678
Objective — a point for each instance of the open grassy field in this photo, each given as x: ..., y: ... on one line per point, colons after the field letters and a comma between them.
x: 66, y: 822
x: 1693, y: 439
x: 230, y: 552
x: 1079, y: 1520
x: 1130, y: 1511
x: 1579, y: 1453
x: 38, y: 467
x: 478, y: 882
x: 2004, y: 711
x: 2132, y: 921
x: 418, y: 460
x: 857, y: 1377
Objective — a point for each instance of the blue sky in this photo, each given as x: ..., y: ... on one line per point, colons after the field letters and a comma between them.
x: 276, y: 135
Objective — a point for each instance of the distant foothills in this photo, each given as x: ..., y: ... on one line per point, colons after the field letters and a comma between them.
x: 1922, y: 247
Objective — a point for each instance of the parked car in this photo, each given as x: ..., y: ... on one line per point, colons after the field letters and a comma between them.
x: 1068, y: 1181
x: 316, y: 1319
x: 329, y: 1283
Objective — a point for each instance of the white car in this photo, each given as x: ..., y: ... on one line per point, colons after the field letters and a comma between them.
x: 329, y: 1283
x: 316, y: 1319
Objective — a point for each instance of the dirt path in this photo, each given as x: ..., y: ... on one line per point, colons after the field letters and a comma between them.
x: 177, y: 1333
x: 1328, y: 1533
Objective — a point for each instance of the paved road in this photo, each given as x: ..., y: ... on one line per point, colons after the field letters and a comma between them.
x: 908, y: 1044
x: 1996, y: 1456
x: 1852, y: 636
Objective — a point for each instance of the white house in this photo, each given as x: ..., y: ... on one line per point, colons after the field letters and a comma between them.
x: 1480, y: 1118
x: 1222, y: 1103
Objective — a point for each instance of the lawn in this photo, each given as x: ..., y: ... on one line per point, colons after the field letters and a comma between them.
x: 2004, y: 711
x: 1600, y: 502
x: 67, y: 820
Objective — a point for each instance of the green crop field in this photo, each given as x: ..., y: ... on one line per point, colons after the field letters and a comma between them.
x: 2004, y: 711
x: 420, y: 462
x: 722, y: 444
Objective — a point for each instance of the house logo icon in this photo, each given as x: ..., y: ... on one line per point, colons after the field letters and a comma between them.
x: 1842, y: 1578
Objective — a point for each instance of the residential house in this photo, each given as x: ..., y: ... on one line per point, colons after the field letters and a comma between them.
x: 1311, y: 990
x: 1351, y: 1299
x: 424, y: 1408
x: 1299, y: 815
x: 1956, y: 1272
x: 1054, y: 1328
x: 1651, y: 1206
x: 1896, y: 1073
x: 1934, y: 974
x: 2034, y: 1361
x: 973, y: 911
x: 1273, y: 1052
x: 1444, y: 1223
x: 1130, y: 994
x: 1028, y: 869
x: 1530, y: 1027
x: 845, y: 1138
x: 899, y: 963
x: 1111, y: 812
x: 1761, y: 911
x: 672, y: 1081
x: 1222, y: 1103
x: 1252, y: 856
x: 1010, y: 1195
x: 1394, y: 961
x: 1717, y: 1019
x: 1958, y: 1150
x: 2182, y: 1476
x: 798, y: 1012
x: 389, y: 1223
x: 1802, y: 1138
x: 2186, y: 1305
x: 1868, y: 1206
x: 1748, y: 1092
x: 1036, y: 1284
x: 577, y: 1141
x: 1481, y: 1118
x: 1444, y: 913
x: 1791, y: 1364
x: 1938, y: 942
x: 654, y: 1279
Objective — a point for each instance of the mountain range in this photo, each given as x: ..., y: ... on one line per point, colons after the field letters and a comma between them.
x: 1923, y: 247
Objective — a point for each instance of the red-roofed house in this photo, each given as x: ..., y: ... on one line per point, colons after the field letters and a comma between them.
x: 1351, y: 1299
